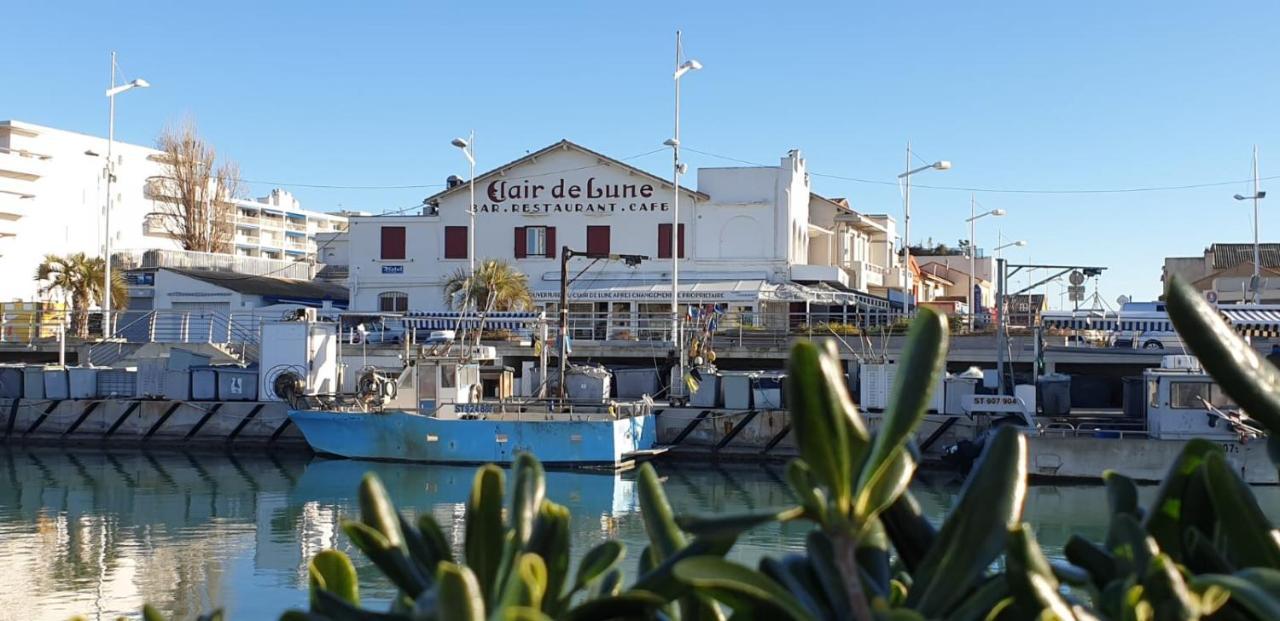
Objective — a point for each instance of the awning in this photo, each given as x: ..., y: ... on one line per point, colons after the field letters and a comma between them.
x: 1253, y: 321
x: 1079, y: 320
x: 444, y: 320
x: 660, y: 291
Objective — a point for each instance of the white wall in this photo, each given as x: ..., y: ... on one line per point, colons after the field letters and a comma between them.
x: 171, y: 287
x: 65, y: 215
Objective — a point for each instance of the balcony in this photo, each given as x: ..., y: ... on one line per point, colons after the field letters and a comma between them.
x: 14, y: 206
x: 186, y: 259
x: 248, y: 240
x: 21, y: 164
x: 819, y: 273
x: 293, y: 224
x: 865, y: 275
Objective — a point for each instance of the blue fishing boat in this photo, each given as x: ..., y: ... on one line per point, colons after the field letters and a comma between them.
x: 433, y: 412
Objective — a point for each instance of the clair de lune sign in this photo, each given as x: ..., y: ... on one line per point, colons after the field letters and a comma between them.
x: 528, y: 197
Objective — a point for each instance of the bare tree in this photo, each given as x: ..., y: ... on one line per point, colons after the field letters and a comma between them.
x: 194, y: 195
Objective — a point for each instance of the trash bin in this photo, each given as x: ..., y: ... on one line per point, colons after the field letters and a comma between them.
x: 1135, y: 396
x: 766, y: 390
x: 33, y: 382
x: 708, y: 393
x: 55, y: 383
x: 10, y: 382
x: 82, y: 382
x: 736, y: 387
x: 1055, y: 394
x: 587, y: 383
x: 635, y: 382
x: 204, y: 384
x: 237, y: 383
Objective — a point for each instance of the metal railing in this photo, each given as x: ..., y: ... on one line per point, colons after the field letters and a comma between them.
x: 188, y: 259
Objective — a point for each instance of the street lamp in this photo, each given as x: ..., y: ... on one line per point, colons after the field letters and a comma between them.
x: 469, y: 150
x: 1255, y: 283
x: 906, y: 221
x: 973, y: 261
x: 678, y: 167
x: 111, y: 93
x: 1020, y: 243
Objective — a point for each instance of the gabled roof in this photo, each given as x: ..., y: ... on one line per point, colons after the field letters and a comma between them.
x: 1231, y: 255
x: 563, y: 144
x: 267, y: 286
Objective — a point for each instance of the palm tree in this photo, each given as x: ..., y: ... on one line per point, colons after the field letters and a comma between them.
x: 78, y: 277
x: 497, y: 286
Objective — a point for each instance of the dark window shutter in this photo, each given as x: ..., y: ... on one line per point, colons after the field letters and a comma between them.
x: 664, y: 241
x: 598, y: 240
x: 393, y: 243
x: 680, y: 239
x: 455, y: 242
x: 521, y: 243
x: 551, y: 242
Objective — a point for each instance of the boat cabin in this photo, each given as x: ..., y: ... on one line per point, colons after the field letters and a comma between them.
x: 1183, y: 402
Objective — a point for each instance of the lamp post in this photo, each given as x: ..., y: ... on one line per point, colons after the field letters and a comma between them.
x: 1255, y: 283
x: 112, y: 91
x: 678, y: 167
x: 906, y: 222
x: 973, y: 254
x: 469, y: 150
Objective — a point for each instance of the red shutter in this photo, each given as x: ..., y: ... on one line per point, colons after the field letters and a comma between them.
x: 551, y: 242
x: 680, y: 240
x: 393, y: 243
x: 455, y: 242
x: 598, y: 240
x: 521, y: 243
x: 664, y: 241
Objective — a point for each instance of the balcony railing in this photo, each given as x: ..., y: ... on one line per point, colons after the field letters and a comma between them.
x: 187, y: 259
x: 22, y: 164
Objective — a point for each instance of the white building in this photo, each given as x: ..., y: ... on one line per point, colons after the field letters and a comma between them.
x: 752, y: 239
x: 53, y: 192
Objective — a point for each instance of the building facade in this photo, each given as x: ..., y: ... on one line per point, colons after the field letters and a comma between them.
x: 53, y: 194
x: 1223, y: 272
x: 751, y: 239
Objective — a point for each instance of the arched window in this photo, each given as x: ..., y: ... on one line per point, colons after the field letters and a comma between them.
x: 393, y: 301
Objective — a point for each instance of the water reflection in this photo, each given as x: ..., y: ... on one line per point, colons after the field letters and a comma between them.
x: 94, y: 533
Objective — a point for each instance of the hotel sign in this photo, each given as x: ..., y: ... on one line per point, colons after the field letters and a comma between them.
x: 393, y: 269
x: 569, y: 196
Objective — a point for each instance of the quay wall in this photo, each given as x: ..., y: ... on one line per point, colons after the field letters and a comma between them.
x: 764, y: 435
x: 160, y: 423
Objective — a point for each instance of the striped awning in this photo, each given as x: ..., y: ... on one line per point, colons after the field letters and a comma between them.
x: 1253, y: 320
x: 443, y: 320
x: 1080, y: 320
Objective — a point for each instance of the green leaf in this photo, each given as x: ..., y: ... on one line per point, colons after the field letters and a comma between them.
x: 888, y: 466
x: 597, y: 562
x: 982, y: 600
x: 1170, y: 511
x: 377, y: 512
x: 872, y: 554
x: 630, y: 605
x: 1247, y: 594
x: 418, y: 548
x: 527, y: 584
x: 660, y: 581
x: 392, y: 560
x: 1250, y: 539
x: 734, y: 525
x: 550, y: 540
x: 1242, y: 373
x: 433, y: 537
x: 530, y: 488
x: 664, y: 535
x: 1200, y: 555
x: 1122, y: 493
x: 523, y: 614
x: 1167, y: 592
x: 460, y: 597
x: 806, y: 489
x: 910, y: 531
x: 828, y: 431
x: 149, y: 613
x: 740, y: 588
x: 795, y: 575
x: 1130, y: 545
x: 830, y: 578
x: 1031, y: 578
x: 331, y: 570
x: 1095, y: 560
x: 610, y: 584
x: 484, y: 530
x: 974, y: 532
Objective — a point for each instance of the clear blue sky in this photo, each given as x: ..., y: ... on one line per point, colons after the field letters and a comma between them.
x: 1018, y: 95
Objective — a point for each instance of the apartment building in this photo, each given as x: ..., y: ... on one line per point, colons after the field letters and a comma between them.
x: 53, y: 193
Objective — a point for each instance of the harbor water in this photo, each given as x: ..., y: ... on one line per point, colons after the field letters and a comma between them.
x: 98, y: 533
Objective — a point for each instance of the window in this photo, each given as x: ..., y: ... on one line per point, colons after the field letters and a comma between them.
x: 455, y: 242
x: 393, y: 302
x: 535, y: 241
x: 664, y: 241
x: 1189, y: 394
x: 392, y: 243
x: 598, y: 240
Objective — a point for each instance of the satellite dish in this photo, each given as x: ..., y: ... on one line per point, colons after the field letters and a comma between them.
x: 1122, y: 300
